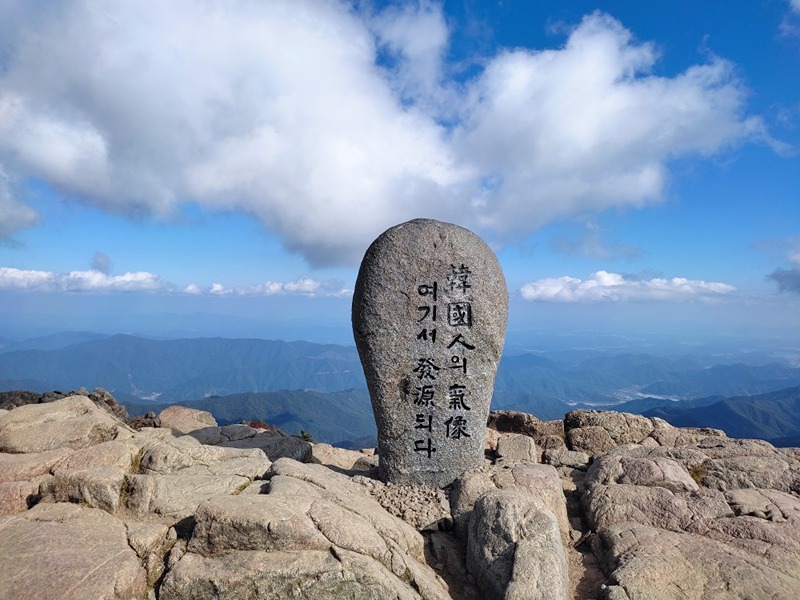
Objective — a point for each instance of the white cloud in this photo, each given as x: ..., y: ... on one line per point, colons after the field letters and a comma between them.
x: 285, y: 110
x: 416, y: 37
x: 95, y: 280
x: 20, y: 279
x: 589, y: 127
x: 612, y: 287
x: 795, y: 4
x: 80, y: 281
x: 217, y: 289
x: 305, y: 286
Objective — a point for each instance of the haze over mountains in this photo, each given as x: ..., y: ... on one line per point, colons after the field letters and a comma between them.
x: 320, y: 387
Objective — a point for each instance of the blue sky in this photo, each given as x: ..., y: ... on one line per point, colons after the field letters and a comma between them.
x: 192, y: 168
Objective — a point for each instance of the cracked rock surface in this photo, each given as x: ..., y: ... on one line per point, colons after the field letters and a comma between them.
x: 92, y: 509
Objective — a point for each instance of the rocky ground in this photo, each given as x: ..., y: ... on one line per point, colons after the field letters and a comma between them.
x: 600, y: 505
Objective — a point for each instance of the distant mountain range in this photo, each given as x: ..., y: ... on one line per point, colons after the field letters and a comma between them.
x: 774, y: 416
x: 341, y: 418
x: 169, y: 371
x: 249, y: 378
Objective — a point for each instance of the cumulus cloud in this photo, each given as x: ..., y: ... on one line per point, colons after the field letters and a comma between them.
x: 329, y: 123
x: 795, y: 4
x: 603, y: 286
x: 80, y: 281
x: 415, y: 38
x: 304, y: 286
x: 95, y: 280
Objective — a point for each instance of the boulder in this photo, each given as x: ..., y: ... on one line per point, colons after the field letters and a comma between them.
x: 770, y: 472
x: 512, y: 421
x: 514, y: 548
x: 101, y: 487
x: 286, y: 523
x: 275, y: 446
x: 291, y: 478
x: 561, y: 457
x: 319, y: 574
x: 515, y: 446
x: 185, y: 419
x: 340, y: 458
x: 537, y: 480
x: 646, y: 471
x: 122, y: 454
x: 592, y: 440
x: 623, y: 428
x: 649, y: 562
x: 315, y: 531
x: 73, y: 422
x: 656, y: 510
x: 667, y: 435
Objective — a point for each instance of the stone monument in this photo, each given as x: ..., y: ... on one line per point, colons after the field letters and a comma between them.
x: 429, y: 319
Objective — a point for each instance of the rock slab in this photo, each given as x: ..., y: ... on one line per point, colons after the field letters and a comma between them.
x: 429, y: 318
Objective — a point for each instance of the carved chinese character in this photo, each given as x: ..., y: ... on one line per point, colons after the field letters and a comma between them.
x: 456, y: 427
x: 459, y: 339
x: 455, y: 397
x: 425, y: 369
x: 459, y: 313
x: 458, y: 278
x: 424, y: 396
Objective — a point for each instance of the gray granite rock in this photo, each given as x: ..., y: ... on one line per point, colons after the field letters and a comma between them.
x: 186, y: 419
x: 60, y: 551
x: 16, y: 496
x: 536, y: 480
x: 340, y: 458
x: 516, y: 446
x: 623, y: 428
x: 429, y: 318
x: 649, y: 562
x: 73, y: 422
x: 21, y: 467
x: 514, y: 549
x: 176, y: 496
x: 319, y: 574
x: 649, y: 471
